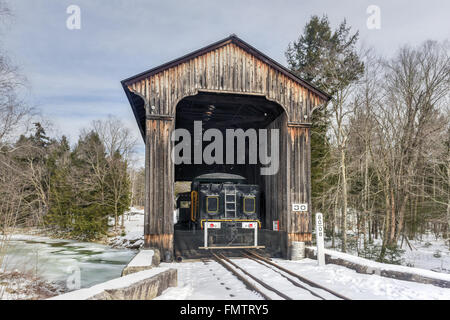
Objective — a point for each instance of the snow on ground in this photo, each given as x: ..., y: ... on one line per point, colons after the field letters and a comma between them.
x: 143, y: 259
x: 276, y: 280
x: 211, y: 281
x: 362, y: 286
x: 384, y: 266
x: 15, y: 285
x: 206, y: 281
x: 426, y: 252
x: 134, y: 231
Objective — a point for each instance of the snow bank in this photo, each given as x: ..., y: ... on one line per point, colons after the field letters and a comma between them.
x: 208, y: 280
x: 388, y: 270
x: 15, y: 285
x: 142, y: 259
x: 134, y: 231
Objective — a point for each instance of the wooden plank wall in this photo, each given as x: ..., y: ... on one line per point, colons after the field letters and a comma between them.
x: 159, y: 181
x: 226, y: 69
x: 275, y: 187
x: 299, y: 177
x: 292, y: 182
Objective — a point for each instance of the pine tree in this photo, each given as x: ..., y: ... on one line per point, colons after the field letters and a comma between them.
x: 306, y: 58
x: 61, y: 195
x: 330, y: 61
x: 90, y: 169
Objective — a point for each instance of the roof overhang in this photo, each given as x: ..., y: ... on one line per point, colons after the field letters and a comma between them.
x: 138, y: 104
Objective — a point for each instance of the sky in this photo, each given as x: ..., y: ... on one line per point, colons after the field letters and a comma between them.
x: 74, y: 75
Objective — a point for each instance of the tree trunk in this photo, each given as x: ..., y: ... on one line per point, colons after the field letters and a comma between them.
x: 344, y: 201
x: 392, y: 219
x: 116, y: 219
x: 386, y: 224
x: 401, y: 218
x: 448, y: 204
x: 366, y: 195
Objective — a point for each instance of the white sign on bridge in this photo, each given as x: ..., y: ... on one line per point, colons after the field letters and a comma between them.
x: 300, y: 207
x: 319, y: 239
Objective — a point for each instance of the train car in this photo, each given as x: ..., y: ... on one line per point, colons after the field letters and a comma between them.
x: 225, y: 207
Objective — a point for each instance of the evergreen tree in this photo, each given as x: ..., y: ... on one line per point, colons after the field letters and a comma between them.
x: 90, y: 168
x: 313, y: 57
x: 61, y: 195
x: 78, y: 196
x: 39, y: 138
x: 305, y: 58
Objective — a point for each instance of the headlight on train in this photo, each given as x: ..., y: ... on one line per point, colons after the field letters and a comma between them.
x: 212, y: 204
x: 249, y: 205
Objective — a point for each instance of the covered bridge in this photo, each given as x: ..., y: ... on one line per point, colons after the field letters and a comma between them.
x: 228, y: 84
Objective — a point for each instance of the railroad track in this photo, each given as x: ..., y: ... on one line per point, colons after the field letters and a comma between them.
x: 296, y: 285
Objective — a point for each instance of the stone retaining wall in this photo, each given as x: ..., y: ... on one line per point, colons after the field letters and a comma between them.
x: 144, y: 285
x: 144, y: 260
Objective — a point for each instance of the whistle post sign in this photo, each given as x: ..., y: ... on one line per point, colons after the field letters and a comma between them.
x: 319, y: 239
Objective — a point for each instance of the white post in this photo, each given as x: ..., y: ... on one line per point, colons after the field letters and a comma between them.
x: 206, y: 235
x: 256, y: 235
x: 319, y: 240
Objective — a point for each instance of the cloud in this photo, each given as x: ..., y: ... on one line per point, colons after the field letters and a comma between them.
x: 75, y: 75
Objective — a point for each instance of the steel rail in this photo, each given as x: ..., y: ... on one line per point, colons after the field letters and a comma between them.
x: 301, y: 278
x: 295, y: 283
x: 265, y: 285
x: 247, y: 283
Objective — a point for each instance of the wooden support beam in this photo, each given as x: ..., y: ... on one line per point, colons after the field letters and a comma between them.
x: 159, y: 204
x: 162, y: 242
x: 303, y: 237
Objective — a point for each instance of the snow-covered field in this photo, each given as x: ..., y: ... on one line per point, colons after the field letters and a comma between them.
x: 426, y: 252
x: 15, y: 285
x: 210, y: 281
x: 134, y: 231
x: 133, y: 237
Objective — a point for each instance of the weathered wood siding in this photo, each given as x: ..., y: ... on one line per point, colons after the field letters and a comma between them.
x: 226, y: 69
x: 292, y: 183
x: 159, y: 181
x: 299, y: 181
x: 275, y: 187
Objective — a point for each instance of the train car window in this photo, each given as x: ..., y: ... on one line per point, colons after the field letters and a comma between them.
x: 212, y: 204
x: 185, y: 204
x: 249, y: 205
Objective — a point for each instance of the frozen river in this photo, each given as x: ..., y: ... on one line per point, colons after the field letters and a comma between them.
x: 65, y: 260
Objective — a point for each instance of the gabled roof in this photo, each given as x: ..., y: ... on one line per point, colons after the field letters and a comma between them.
x: 242, y: 44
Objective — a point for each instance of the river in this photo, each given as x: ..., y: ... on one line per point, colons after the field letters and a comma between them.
x: 66, y: 261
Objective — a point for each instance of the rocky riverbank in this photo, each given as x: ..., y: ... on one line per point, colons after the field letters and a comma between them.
x: 15, y: 285
x: 133, y: 235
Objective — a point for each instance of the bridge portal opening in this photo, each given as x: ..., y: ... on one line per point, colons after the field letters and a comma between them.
x: 253, y: 115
